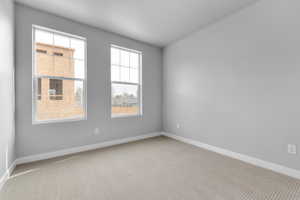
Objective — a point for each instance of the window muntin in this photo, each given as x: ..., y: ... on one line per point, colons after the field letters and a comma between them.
x: 59, y: 81
x: 125, y: 82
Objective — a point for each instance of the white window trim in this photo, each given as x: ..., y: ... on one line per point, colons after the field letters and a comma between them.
x: 35, y: 78
x: 139, y: 84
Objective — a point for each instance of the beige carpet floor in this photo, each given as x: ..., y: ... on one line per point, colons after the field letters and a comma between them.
x: 154, y: 169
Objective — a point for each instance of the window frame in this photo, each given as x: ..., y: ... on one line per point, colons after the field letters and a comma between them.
x: 139, y: 84
x: 35, y: 78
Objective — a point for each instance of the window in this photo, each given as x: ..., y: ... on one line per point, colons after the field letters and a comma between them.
x: 56, y: 89
x: 58, y: 54
x: 59, y: 81
x: 39, y: 89
x: 41, y: 51
x: 125, y: 82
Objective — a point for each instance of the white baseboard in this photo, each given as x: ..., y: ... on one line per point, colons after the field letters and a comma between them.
x: 59, y: 153
x: 7, y: 174
x: 248, y: 159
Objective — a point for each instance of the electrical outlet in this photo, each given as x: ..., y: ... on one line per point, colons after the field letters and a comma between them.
x: 177, y: 125
x: 96, y: 131
x: 292, y: 149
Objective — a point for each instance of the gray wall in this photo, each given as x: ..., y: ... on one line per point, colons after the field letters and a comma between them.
x: 36, y: 139
x: 236, y: 84
x: 7, y: 138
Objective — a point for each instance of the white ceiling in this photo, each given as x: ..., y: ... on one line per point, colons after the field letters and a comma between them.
x: 157, y: 22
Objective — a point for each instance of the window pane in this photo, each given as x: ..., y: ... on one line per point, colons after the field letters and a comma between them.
x: 79, y: 96
x: 115, y: 73
x: 44, y: 62
x: 53, y: 61
x: 134, y: 75
x: 42, y: 88
x: 125, y: 58
x: 78, y: 69
x: 125, y: 74
x: 63, y: 66
x: 61, y: 41
x: 124, y: 99
x: 78, y: 48
x: 115, y: 56
x: 134, y: 60
x: 62, y: 99
x: 43, y: 37
x: 58, y: 60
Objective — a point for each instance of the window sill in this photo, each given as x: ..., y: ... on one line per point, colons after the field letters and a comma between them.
x: 126, y: 116
x: 37, y: 122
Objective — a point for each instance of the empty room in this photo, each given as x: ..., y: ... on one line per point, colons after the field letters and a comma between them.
x: 150, y: 100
